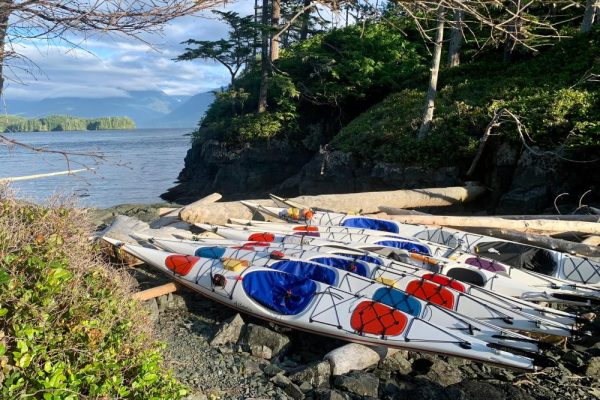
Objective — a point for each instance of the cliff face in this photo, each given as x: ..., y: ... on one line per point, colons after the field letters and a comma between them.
x: 518, y: 180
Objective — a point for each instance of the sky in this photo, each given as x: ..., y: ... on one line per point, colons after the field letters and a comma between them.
x: 104, y: 66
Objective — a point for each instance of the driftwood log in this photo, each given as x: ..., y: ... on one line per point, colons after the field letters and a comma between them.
x: 47, y: 175
x: 566, y: 217
x: 218, y: 213
x: 367, y: 202
x: 529, y: 226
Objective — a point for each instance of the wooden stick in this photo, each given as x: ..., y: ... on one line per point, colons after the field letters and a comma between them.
x: 534, y: 225
x: 155, y: 291
x: 30, y: 177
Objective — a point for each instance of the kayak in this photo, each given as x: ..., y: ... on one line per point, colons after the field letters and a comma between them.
x: 488, y: 300
x: 320, y: 308
x: 423, y: 247
x: 546, y: 261
x: 460, y: 297
x: 462, y: 272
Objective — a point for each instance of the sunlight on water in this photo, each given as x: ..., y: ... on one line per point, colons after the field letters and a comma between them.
x: 139, y: 165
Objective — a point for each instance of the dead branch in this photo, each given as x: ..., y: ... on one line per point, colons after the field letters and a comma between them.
x: 494, y: 123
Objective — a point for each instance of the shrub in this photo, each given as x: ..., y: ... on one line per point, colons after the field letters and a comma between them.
x: 68, y: 326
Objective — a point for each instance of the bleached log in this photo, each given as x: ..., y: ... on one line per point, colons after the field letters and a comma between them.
x: 218, y: 213
x: 366, y: 202
x: 566, y: 217
x: 529, y: 226
x: 50, y: 174
x: 354, y: 356
x: 155, y: 291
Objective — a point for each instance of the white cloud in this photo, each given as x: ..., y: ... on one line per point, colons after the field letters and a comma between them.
x: 112, y: 65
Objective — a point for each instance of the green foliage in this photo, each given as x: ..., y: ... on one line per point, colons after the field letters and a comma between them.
x: 347, y: 64
x: 11, y: 123
x: 68, y: 326
x: 234, y: 52
x: 556, y: 104
x: 334, y: 74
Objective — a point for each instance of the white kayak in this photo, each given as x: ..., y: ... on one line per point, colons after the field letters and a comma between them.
x: 445, y: 292
x: 487, y: 297
x: 462, y: 272
x: 362, y: 235
x: 546, y: 261
x: 319, y: 308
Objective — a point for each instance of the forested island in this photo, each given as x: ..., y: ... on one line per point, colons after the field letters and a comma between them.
x: 55, y: 123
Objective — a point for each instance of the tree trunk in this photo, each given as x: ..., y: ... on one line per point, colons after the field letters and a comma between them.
x: 255, y: 38
x: 275, y: 16
x: 456, y: 39
x: 435, y: 70
x: 4, y: 15
x: 513, y: 32
x: 264, y: 59
x: 592, y: 7
x: 305, y: 20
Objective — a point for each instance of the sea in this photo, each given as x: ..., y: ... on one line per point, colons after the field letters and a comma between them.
x: 126, y: 166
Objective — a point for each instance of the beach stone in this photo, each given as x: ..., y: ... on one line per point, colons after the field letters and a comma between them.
x: 359, y: 383
x: 162, y: 303
x: 288, y: 386
x: 316, y: 374
x: 257, y: 335
x: 443, y: 373
x: 573, y: 358
x: 305, y: 387
x: 593, y: 368
x: 153, y: 310
x: 474, y: 390
x: 261, y: 352
x: 271, y: 370
x: 328, y: 394
x: 397, y: 362
x: 424, y: 389
x: 229, y: 332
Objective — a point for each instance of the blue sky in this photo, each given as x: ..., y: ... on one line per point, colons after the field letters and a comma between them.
x: 111, y: 65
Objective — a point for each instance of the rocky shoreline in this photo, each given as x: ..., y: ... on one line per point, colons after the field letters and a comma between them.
x: 223, y: 355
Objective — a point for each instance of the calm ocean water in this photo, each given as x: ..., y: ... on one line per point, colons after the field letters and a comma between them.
x: 141, y: 164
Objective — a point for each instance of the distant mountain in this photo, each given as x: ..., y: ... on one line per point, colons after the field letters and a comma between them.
x: 187, y: 114
x: 148, y: 108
